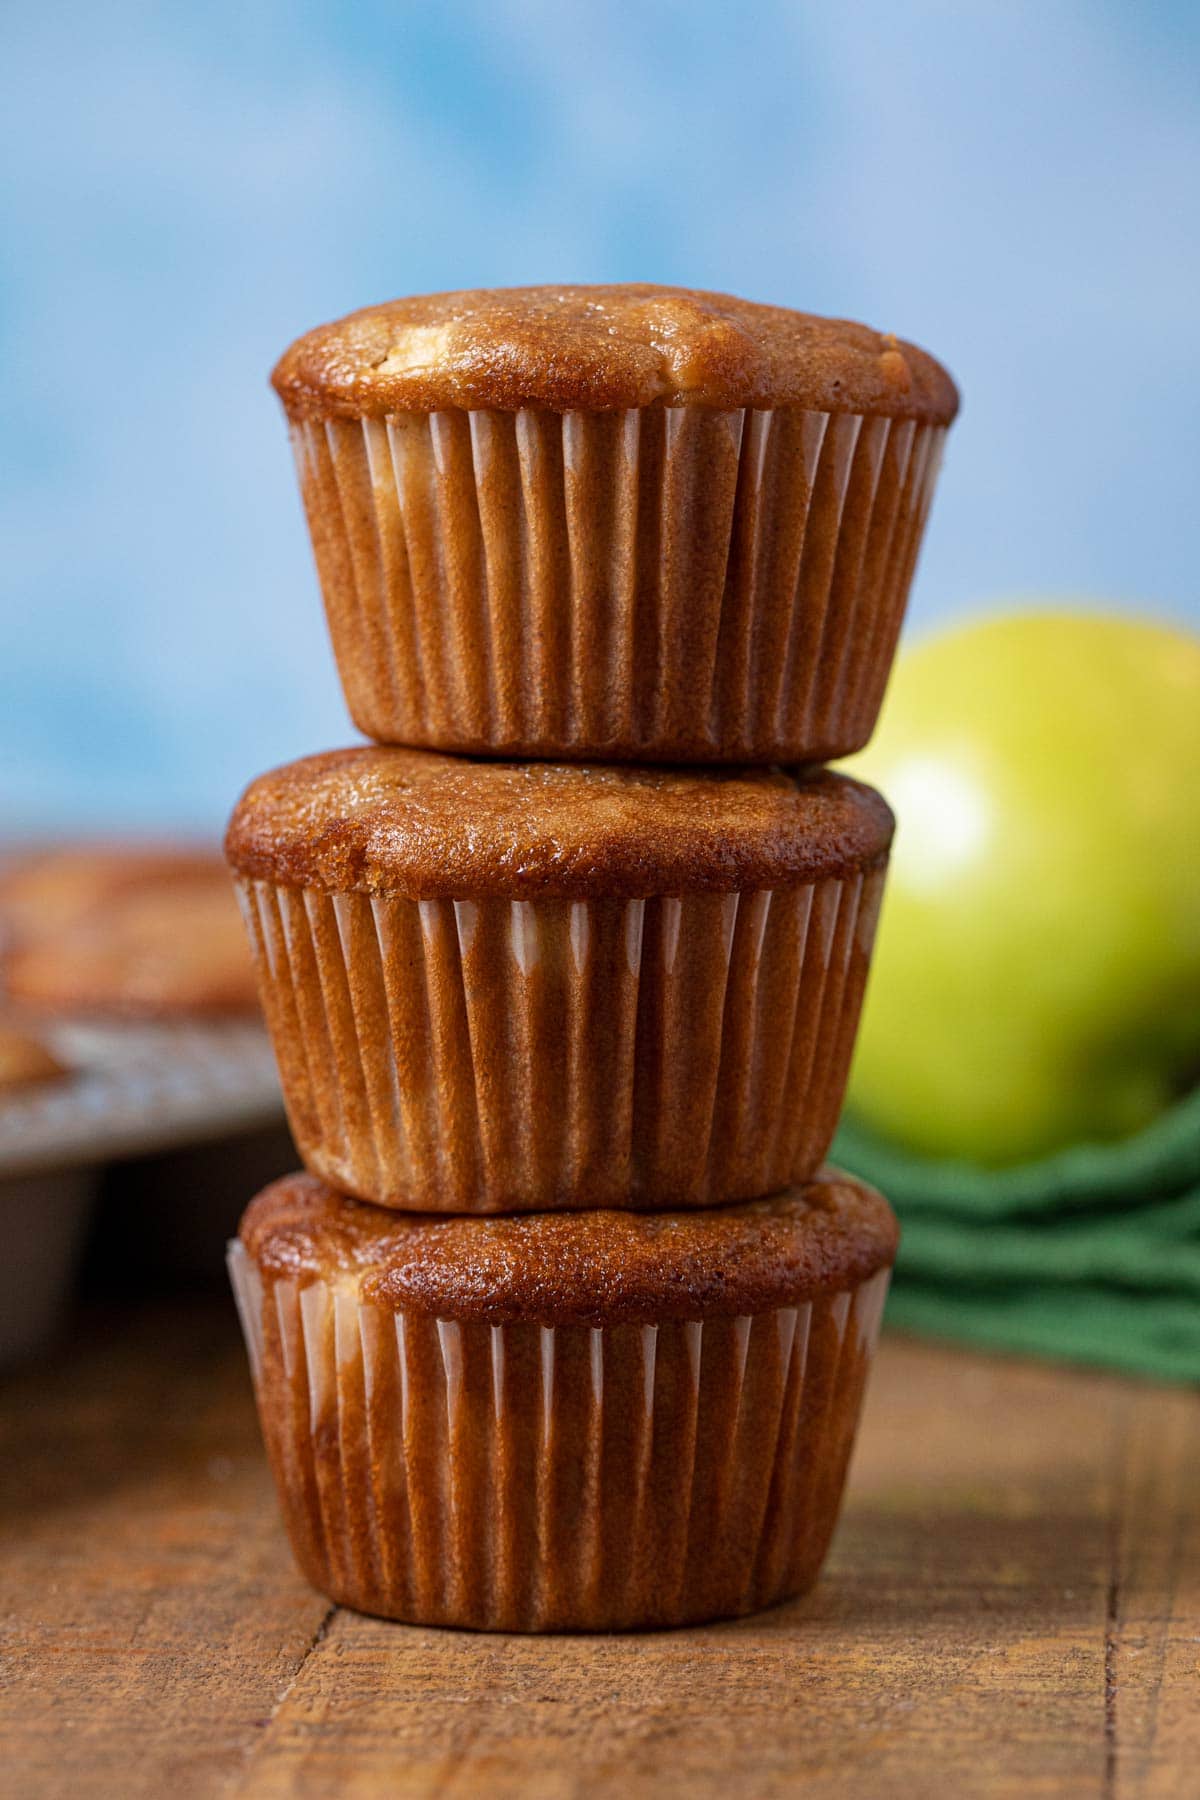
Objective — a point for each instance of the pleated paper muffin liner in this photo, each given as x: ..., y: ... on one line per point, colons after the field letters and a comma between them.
x: 532, y: 1478
x: 670, y: 583
x: 509, y: 1056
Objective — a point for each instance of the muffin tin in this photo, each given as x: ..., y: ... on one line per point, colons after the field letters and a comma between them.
x: 129, y: 1090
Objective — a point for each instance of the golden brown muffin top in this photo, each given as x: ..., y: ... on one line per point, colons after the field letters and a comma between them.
x: 25, y: 1060
x: 602, y: 349
x: 592, y: 1268
x: 420, y: 825
x: 169, y: 947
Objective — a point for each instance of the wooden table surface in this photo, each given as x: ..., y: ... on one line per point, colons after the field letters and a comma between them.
x: 1012, y: 1607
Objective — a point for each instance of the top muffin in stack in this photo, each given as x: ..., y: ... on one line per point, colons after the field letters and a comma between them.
x: 629, y: 523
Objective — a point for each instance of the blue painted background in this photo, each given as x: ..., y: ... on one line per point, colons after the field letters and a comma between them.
x: 186, y: 187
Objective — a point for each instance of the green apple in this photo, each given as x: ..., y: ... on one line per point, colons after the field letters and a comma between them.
x: 1037, y: 975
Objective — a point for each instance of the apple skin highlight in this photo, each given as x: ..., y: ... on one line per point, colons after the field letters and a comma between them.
x: 1037, y: 974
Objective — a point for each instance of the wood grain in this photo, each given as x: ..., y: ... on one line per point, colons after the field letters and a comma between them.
x: 1012, y: 1608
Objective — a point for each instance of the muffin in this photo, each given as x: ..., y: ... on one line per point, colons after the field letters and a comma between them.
x: 628, y: 523
x: 159, y: 948
x: 25, y: 1061
x: 517, y: 987
x: 45, y: 887
x: 564, y: 1421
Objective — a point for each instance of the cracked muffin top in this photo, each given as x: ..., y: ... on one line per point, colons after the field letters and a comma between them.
x: 416, y: 824
x: 602, y: 349
x: 591, y: 1268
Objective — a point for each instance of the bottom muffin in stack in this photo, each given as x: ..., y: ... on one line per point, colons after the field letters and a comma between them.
x: 562, y: 1421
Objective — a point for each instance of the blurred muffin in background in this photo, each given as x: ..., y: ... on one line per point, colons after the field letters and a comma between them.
x: 24, y: 1060
x: 144, y: 930
x: 47, y: 886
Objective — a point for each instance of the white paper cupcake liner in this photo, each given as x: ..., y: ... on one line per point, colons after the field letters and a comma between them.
x: 497, y: 1056
x: 530, y: 1478
x: 668, y: 583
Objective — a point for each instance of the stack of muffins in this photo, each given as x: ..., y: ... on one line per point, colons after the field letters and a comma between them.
x: 566, y: 1327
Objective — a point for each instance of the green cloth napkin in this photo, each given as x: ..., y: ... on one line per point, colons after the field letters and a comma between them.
x: 1092, y: 1255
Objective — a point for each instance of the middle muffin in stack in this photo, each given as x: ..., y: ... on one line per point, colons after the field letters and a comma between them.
x: 645, y: 526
